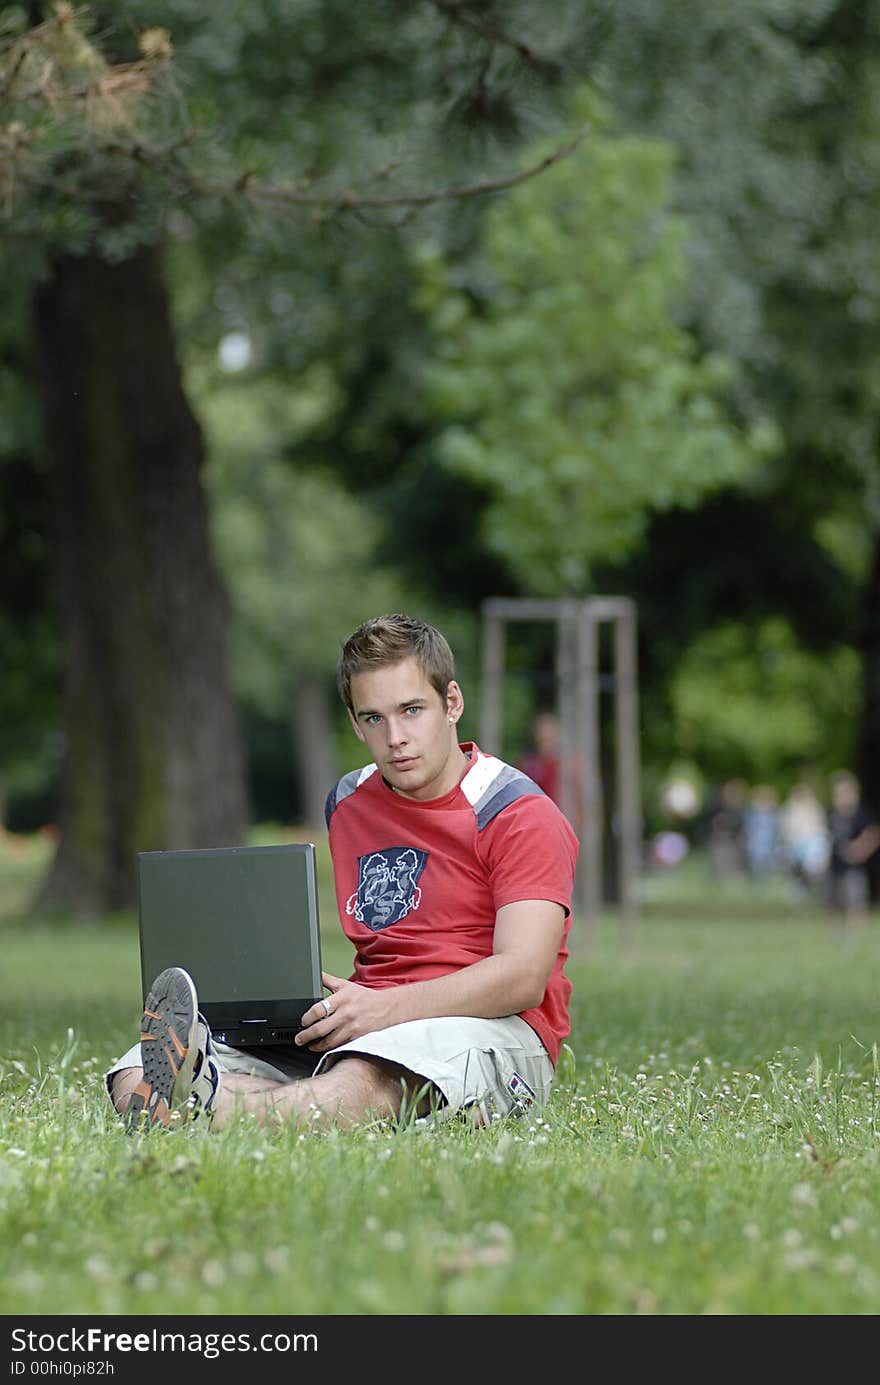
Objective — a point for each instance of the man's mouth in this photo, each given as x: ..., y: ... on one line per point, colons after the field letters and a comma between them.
x: 405, y: 762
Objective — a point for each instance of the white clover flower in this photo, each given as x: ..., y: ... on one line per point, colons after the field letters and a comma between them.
x: 804, y: 1194
x: 213, y: 1273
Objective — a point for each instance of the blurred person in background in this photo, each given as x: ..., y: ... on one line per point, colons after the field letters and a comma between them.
x: 724, y: 831
x: 543, y: 763
x: 761, y: 837
x: 854, y: 837
x: 805, y: 840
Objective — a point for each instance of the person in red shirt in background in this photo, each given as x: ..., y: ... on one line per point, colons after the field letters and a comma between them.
x: 542, y: 761
x: 544, y: 764
x: 454, y: 875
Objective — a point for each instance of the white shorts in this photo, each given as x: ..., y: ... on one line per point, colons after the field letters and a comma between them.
x: 499, y: 1066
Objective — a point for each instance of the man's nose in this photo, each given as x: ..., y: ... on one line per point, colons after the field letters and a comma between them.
x: 396, y: 731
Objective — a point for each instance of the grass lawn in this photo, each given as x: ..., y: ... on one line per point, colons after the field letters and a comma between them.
x: 711, y: 1146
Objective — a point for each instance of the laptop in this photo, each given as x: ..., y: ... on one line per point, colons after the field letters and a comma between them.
x: 243, y: 921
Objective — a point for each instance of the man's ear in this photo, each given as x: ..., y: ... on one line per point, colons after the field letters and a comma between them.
x: 454, y: 701
x: 357, y: 730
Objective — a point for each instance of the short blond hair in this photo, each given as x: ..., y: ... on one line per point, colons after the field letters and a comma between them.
x: 389, y: 639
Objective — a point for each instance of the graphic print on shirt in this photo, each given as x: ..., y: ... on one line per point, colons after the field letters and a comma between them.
x: 388, y: 887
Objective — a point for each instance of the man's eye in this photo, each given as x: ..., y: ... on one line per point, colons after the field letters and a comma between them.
x: 414, y: 710
x: 372, y: 719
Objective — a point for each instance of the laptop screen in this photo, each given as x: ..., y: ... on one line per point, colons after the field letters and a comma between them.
x: 243, y: 921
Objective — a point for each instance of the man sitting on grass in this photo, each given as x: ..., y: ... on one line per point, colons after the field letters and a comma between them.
x: 453, y: 874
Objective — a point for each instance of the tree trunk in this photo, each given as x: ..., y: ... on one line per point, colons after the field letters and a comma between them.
x: 313, y: 736
x: 869, y: 740
x: 153, y: 749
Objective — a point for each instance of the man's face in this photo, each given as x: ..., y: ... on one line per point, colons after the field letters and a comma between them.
x: 410, y: 734
x: 844, y: 795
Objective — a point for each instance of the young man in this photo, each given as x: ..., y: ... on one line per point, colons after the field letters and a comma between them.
x: 453, y: 875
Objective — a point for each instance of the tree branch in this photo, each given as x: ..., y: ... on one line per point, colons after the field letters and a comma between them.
x: 347, y: 200
x: 459, y: 12
x: 99, y: 99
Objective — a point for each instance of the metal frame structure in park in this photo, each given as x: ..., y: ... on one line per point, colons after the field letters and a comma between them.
x: 578, y: 678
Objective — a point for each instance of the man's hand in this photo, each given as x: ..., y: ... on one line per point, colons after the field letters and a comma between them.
x: 354, y: 1010
x: 526, y: 944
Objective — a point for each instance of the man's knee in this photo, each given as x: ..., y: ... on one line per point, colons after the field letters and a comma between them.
x: 383, y: 1087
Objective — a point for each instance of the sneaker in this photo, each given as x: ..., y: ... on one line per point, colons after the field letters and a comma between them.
x: 206, y: 1075
x: 170, y: 1033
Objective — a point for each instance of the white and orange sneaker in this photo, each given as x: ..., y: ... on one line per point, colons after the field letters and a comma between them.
x: 174, y: 1043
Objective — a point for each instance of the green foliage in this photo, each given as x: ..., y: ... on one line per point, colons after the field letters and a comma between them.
x: 295, y: 549
x: 581, y: 375
x: 750, y: 701
x: 773, y: 111
x: 72, y: 113
x: 306, y: 112
x: 250, y: 140
x: 565, y: 382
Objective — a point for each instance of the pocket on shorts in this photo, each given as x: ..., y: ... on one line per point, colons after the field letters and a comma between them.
x: 514, y: 1083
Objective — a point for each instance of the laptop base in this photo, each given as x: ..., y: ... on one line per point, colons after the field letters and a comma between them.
x: 269, y: 1023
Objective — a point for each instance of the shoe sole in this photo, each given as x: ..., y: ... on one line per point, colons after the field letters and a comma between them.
x: 168, y: 1050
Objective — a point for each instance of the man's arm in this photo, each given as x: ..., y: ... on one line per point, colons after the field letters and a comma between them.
x: 526, y: 944
x: 861, y: 847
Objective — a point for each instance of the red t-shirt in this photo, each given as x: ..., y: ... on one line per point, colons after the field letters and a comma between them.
x: 418, y: 883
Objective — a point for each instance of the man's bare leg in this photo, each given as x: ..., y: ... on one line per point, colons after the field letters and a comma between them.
x: 126, y: 1080
x: 352, y: 1090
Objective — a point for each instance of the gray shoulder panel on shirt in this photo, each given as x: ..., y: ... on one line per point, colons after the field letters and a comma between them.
x: 344, y: 788
x: 506, y: 787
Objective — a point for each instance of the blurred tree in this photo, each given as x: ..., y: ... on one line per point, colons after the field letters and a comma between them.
x: 750, y: 701
x: 773, y: 109
x: 272, y: 171
x: 295, y: 551
x: 567, y: 386
x: 96, y: 138
x: 152, y: 752
x: 30, y: 656
x: 736, y: 559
